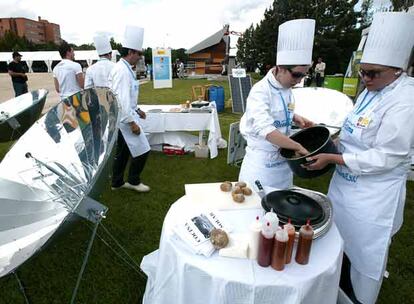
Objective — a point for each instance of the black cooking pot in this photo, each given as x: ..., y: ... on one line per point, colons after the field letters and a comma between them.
x: 294, y: 205
x: 199, y: 104
x: 316, y: 140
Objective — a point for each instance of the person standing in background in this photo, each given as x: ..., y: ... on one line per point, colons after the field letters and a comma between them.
x: 175, y: 68
x: 132, y: 142
x: 67, y: 74
x: 18, y: 75
x: 320, y: 72
x: 97, y: 74
x: 180, y: 69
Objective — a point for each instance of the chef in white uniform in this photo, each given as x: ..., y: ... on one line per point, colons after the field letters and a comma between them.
x: 98, y: 73
x: 270, y: 107
x: 377, y: 142
x: 132, y: 142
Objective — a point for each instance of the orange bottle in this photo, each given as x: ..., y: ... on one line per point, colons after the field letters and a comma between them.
x: 291, y: 234
x: 279, y: 249
x: 304, y: 244
x: 265, y: 246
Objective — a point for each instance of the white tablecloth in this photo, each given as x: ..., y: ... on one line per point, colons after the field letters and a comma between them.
x: 175, y: 275
x: 164, y: 127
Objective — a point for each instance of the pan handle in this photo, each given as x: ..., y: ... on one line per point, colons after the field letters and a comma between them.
x: 261, y: 191
x: 329, y: 126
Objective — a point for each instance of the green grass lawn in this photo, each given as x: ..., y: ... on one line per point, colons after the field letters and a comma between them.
x: 136, y: 220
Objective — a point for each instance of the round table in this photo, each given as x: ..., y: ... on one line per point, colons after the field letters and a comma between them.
x: 177, y: 275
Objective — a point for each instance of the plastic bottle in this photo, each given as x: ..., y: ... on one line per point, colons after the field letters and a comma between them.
x: 304, y: 244
x: 279, y: 249
x: 291, y: 234
x: 254, y: 236
x: 265, y: 245
x: 272, y: 218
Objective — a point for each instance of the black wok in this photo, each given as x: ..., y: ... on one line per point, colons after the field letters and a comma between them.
x: 316, y: 140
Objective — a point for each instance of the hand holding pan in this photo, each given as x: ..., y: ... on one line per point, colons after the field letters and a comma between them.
x: 316, y: 140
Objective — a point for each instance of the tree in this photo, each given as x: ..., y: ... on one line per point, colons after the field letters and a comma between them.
x: 366, y: 13
x: 12, y: 42
x: 148, y: 55
x: 402, y: 5
x: 246, y: 53
x: 115, y: 45
x: 84, y: 47
x: 179, y: 54
x: 336, y: 34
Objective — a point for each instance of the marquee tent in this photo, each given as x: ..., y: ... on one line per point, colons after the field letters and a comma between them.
x: 49, y: 56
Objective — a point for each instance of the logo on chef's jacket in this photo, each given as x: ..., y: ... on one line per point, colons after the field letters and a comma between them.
x: 348, y: 177
x: 363, y: 122
x: 347, y: 126
x: 281, y: 123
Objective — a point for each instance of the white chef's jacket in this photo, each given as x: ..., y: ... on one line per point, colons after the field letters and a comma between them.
x: 98, y: 73
x: 269, y: 107
x: 122, y: 80
x: 368, y: 193
x: 65, y: 72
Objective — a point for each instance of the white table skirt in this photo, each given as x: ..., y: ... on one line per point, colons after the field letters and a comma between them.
x: 175, y: 275
x: 157, y: 124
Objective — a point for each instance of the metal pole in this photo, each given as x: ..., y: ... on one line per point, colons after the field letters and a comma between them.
x: 85, y: 261
x: 21, y: 287
x: 241, y: 95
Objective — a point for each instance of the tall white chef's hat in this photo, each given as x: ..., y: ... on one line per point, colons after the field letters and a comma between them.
x: 133, y: 37
x: 102, y: 44
x: 295, y: 42
x: 390, y: 40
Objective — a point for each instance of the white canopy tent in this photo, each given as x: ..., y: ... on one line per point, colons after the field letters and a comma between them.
x: 49, y: 56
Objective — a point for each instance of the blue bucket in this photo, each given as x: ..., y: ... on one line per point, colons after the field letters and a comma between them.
x: 216, y: 93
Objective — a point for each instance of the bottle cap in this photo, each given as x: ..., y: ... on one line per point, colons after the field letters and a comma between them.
x: 282, y: 235
x: 267, y: 231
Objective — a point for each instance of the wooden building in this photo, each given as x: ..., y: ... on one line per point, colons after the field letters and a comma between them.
x: 207, y: 57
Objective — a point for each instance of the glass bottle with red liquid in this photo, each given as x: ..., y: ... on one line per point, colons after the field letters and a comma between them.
x: 265, y: 245
x: 304, y: 244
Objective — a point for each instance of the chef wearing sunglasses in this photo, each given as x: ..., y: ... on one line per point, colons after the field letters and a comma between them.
x: 377, y: 139
x: 269, y: 113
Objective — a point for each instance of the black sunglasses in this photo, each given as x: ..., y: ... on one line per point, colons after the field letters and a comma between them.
x: 370, y: 73
x: 296, y: 74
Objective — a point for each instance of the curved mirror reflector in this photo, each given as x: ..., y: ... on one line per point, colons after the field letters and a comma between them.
x: 50, y: 169
x: 322, y: 105
x: 18, y: 114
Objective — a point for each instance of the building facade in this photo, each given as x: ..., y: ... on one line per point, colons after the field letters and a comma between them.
x: 209, y: 56
x: 38, y: 32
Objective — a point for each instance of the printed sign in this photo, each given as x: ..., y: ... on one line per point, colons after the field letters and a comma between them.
x: 161, y: 59
x: 238, y: 73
